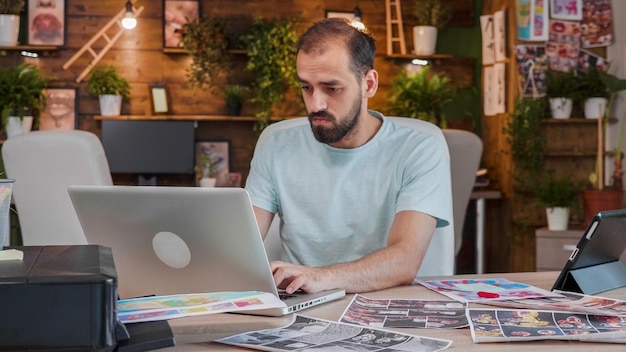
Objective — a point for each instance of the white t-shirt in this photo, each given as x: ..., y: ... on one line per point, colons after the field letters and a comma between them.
x: 337, y: 205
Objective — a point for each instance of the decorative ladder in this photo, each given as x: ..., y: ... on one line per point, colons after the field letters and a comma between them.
x: 395, y: 29
x: 97, y: 56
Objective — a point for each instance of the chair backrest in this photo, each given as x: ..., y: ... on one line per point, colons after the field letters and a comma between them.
x: 466, y: 150
x: 44, y: 164
x: 439, y: 259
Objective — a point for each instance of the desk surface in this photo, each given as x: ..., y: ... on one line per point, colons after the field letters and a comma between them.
x: 195, y: 333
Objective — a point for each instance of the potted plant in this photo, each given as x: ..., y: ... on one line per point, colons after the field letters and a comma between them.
x: 21, y: 97
x: 271, y: 47
x: 594, y: 93
x: 110, y: 87
x: 10, y: 11
x: 431, y: 16
x: 557, y: 195
x: 234, y: 95
x: 601, y: 197
x: 421, y: 95
x: 561, y: 91
x: 207, y: 42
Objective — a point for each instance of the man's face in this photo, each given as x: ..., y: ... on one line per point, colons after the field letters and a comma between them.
x: 332, y: 94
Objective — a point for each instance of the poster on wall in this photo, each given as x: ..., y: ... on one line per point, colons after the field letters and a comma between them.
x: 177, y: 13
x: 532, y: 19
x: 566, y: 10
x: 60, y: 111
x: 499, y: 31
x: 587, y: 59
x: 488, y: 91
x: 597, y: 23
x: 46, y: 22
x: 488, y: 40
x: 563, y: 46
x: 499, y: 87
x: 531, y: 62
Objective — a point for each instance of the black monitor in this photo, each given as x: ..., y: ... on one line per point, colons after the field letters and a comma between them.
x: 149, y: 148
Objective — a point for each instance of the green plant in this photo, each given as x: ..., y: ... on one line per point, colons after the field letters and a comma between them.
x: 21, y: 91
x: 271, y: 47
x: 552, y: 191
x: 235, y: 93
x: 206, y: 40
x: 105, y: 80
x: 436, y: 13
x: 12, y: 7
x: 525, y: 136
x: 591, y: 85
x: 562, y: 85
x: 421, y: 95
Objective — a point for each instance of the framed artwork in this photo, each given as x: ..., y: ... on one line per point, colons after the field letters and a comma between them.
x: 159, y: 98
x: 46, y: 22
x: 566, y: 9
x: 532, y: 20
x: 60, y: 111
x: 175, y: 14
x: 212, y: 162
x: 342, y: 14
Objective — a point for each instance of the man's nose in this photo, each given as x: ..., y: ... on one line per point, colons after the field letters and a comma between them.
x: 318, y: 102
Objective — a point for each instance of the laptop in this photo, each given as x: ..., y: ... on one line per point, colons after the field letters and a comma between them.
x: 173, y: 240
x: 594, y: 265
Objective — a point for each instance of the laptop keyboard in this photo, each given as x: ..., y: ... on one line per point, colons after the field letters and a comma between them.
x: 284, y: 296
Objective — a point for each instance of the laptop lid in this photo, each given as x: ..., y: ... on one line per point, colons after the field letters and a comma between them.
x: 594, y: 265
x: 170, y: 240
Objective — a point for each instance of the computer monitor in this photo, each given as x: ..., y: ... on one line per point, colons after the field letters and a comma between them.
x: 149, y: 148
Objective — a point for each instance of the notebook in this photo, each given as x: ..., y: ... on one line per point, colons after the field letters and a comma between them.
x: 171, y: 240
x: 594, y: 265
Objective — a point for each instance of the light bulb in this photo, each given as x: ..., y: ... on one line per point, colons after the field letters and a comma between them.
x: 129, y: 21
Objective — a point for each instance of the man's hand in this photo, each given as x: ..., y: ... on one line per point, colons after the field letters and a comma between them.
x: 293, y: 277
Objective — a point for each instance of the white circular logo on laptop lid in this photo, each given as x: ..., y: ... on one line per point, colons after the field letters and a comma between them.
x: 171, y: 249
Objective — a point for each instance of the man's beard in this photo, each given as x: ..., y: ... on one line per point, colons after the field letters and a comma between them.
x: 336, y: 133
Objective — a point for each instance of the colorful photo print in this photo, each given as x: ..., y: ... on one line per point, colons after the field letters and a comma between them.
x: 46, y: 22
x: 597, y: 23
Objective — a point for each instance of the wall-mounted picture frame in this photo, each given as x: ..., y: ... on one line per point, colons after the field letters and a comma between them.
x: 159, y: 98
x: 566, y: 9
x: 46, y: 22
x: 175, y: 14
x: 340, y: 13
x: 212, y: 162
x: 60, y: 111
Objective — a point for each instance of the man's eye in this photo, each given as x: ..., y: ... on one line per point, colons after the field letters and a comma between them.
x: 306, y: 87
x: 334, y: 89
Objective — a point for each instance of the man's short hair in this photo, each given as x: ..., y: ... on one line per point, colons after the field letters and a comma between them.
x: 360, y: 42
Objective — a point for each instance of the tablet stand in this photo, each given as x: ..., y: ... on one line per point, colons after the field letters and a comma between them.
x: 597, y: 278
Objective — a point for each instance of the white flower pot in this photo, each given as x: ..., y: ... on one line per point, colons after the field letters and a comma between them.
x: 207, y: 182
x: 594, y: 107
x: 16, y: 126
x: 558, y: 218
x: 424, y: 40
x: 561, y: 108
x: 9, y: 29
x: 110, y: 105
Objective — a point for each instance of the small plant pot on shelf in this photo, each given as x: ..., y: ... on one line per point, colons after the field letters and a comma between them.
x: 16, y: 125
x: 595, y: 201
x: 558, y: 218
x: 595, y: 107
x: 561, y: 108
x: 110, y: 105
x: 207, y: 182
x: 9, y: 29
x: 424, y: 40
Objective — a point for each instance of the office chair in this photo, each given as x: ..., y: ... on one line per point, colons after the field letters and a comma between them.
x: 440, y: 256
x: 44, y: 164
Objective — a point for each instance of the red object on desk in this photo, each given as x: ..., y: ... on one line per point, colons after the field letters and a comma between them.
x: 483, y: 294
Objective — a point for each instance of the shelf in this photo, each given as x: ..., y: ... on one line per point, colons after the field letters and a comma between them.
x: 575, y: 120
x: 185, y: 52
x: 415, y: 56
x: 216, y: 118
x: 43, y: 49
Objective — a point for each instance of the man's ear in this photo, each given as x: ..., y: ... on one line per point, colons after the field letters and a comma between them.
x: 371, y: 83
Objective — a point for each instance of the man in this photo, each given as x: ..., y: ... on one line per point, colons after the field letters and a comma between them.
x: 359, y: 196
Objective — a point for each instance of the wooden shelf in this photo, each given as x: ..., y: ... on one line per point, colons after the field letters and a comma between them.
x: 44, y: 49
x: 575, y: 120
x: 415, y: 56
x: 217, y: 118
x: 184, y: 51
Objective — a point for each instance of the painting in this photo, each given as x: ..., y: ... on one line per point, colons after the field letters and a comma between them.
x: 46, y: 22
x: 60, y: 111
x: 159, y: 98
x: 566, y: 10
x: 212, y: 162
x: 532, y: 20
x: 342, y: 14
x: 175, y: 14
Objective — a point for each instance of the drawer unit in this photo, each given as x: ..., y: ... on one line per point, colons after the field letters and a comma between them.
x: 555, y: 247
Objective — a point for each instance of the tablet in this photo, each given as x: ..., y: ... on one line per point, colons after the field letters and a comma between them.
x: 594, y: 265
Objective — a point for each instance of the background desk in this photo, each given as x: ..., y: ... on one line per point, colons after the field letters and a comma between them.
x: 195, y: 333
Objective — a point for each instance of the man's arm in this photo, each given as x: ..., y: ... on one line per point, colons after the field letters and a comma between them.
x: 396, y: 264
x: 263, y: 219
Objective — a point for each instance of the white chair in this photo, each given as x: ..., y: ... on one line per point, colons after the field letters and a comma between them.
x: 439, y: 259
x: 44, y: 164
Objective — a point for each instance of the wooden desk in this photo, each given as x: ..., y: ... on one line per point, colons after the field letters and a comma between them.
x: 195, y: 333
